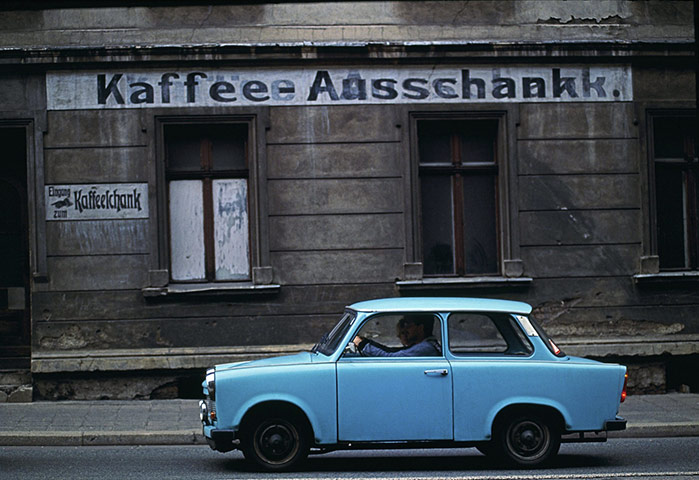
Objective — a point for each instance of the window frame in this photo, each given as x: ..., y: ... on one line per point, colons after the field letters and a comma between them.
x: 207, y: 174
x: 457, y: 171
x: 652, y: 219
x: 511, y: 273
x: 262, y: 274
x: 505, y: 318
x: 438, y: 332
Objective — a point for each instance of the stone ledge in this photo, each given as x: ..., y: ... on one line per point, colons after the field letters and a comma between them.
x: 153, y: 359
x: 210, y: 289
x: 200, y: 358
x: 666, y: 278
x: 630, y: 346
x: 464, y: 282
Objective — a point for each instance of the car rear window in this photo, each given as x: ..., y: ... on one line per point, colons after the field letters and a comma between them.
x: 548, y: 341
x: 486, y: 333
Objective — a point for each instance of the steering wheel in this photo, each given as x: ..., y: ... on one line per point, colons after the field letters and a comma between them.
x: 352, y: 349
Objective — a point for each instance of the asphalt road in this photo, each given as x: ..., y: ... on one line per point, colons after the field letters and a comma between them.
x: 674, y: 458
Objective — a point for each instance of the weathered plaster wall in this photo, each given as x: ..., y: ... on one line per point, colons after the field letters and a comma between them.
x: 335, y: 183
x: 351, y: 22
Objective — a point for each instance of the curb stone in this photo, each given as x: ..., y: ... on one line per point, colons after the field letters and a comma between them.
x: 80, y: 439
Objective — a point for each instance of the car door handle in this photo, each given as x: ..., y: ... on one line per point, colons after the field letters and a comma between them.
x: 442, y: 372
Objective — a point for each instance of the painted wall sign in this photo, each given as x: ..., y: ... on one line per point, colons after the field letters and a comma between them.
x: 202, y: 87
x: 96, y: 202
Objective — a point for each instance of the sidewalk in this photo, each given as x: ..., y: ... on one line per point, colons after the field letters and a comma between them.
x: 176, y: 422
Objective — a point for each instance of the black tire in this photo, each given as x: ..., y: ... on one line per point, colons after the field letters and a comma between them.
x: 275, y: 442
x: 528, y: 440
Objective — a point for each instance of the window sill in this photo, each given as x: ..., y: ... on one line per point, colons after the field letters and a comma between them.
x: 464, y: 282
x: 666, y: 277
x: 210, y: 289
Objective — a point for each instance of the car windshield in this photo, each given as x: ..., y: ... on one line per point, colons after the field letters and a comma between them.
x: 330, y: 341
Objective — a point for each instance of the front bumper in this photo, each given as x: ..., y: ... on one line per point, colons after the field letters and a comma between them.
x: 219, y: 440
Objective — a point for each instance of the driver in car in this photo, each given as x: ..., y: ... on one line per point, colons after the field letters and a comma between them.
x: 414, y: 332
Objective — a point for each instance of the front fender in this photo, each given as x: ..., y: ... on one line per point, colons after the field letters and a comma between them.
x: 316, y: 423
x: 310, y: 387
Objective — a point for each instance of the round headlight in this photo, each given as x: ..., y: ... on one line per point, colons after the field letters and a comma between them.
x: 203, y: 412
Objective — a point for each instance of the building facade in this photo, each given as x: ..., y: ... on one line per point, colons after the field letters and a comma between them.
x: 189, y: 184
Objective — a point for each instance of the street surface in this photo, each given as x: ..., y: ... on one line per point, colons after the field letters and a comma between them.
x: 651, y: 458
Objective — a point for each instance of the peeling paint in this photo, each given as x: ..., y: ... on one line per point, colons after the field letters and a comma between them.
x: 572, y: 20
x: 69, y: 340
x: 231, y: 229
x: 550, y: 311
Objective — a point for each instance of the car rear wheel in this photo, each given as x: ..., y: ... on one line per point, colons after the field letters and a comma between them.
x: 276, y: 442
x: 528, y: 440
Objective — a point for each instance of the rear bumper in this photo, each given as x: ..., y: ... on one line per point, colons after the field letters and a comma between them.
x: 617, y: 424
x: 595, y: 436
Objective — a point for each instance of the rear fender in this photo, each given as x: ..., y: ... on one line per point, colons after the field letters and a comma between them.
x: 524, y: 403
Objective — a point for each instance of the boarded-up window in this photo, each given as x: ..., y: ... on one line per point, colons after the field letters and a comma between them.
x: 458, y: 191
x: 207, y: 174
x: 676, y: 173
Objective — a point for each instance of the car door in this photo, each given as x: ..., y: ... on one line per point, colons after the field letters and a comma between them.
x: 488, y: 353
x: 394, y: 398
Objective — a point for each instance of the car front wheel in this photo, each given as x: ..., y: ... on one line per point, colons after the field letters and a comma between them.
x: 276, y: 443
x: 528, y: 440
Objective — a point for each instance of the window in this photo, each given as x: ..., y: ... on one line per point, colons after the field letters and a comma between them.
x: 478, y: 333
x: 207, y: 187
x: 458, y: 172
x: 394, y: 333
x: 675, y: 171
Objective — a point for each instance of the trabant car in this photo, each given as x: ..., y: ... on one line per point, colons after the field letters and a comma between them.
x: 486, y: 376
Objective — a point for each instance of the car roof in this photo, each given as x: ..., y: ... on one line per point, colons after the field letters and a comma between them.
x: 442, y: 304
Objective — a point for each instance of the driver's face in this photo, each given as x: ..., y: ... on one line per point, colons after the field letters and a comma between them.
x: 409, y: 333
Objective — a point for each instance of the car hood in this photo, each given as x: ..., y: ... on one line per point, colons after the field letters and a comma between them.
x: 303, y: 357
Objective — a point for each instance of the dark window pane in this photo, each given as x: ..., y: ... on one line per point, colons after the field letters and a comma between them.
x: 669, y: 137
x: 474, y: 333
x: 480, y: 233
x: 227, y: 143
x: 183, y: 148
x: 228, y: 146
x: 478, y: 141
x: 670, y: 211
x: 437, y: 225
x: 434, y: 142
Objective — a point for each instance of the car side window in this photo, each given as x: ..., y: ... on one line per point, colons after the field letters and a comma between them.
x: 486, y: 333
x: 401, y: 335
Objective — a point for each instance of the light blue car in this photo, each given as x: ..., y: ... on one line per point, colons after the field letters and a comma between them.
x: 416, y: 372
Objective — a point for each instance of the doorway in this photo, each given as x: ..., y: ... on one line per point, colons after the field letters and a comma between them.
x: 15, y: 317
